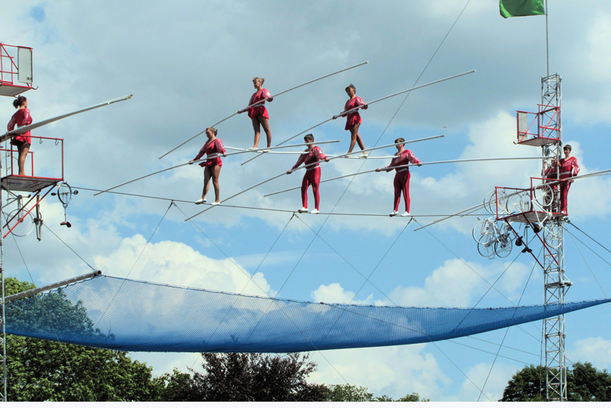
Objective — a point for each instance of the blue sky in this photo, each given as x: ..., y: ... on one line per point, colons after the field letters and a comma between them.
x: 190, y: 64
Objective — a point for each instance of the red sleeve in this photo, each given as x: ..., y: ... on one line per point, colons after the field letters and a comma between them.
x: 267, y: 95
x: 202, y: 151
x: 361, y: 102
x: 11, y: 124
x: 576, y: 168
x: 27, y: 118
x: 219, y: 146
x: 412, y: 158
x: 300, y: 160
x: 318, y: 154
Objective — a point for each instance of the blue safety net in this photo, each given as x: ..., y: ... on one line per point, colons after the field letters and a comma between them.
x: 131, y: 315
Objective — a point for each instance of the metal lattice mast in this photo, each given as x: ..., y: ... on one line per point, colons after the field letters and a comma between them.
x: 555, y: 282
x: 2, y: 314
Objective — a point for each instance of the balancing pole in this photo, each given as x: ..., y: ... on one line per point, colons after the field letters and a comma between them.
x: 212, y: 156
x: 261, y: 102
x: 250, y: 188
x: 410, y: 165
x: 370, y: 103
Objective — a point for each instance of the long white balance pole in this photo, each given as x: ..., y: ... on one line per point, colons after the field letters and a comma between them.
x: 36, y: 125
x: 212, y: 156
x: 410, y: 165
x: 260, y: 102
x: 367, y: 104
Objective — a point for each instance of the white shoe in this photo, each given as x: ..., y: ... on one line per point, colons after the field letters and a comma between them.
x: 266, y: 150
x: 200, y: 201
x: 406, y: 214
x: 364, y: 155
x: 314, y: 211
x: 302, y: 210
x: 216, y: 203
x: 392, y: 214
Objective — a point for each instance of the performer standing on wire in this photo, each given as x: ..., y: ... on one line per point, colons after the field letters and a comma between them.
x: 24, y: 141
x: 258, y: 113
x: 311, y: 158
x: 402, y: 176
x: 212, y: 166
x: 353, y: 120
x: 568, y: 168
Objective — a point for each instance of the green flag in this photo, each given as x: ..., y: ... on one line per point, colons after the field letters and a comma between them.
x: 518, y: 8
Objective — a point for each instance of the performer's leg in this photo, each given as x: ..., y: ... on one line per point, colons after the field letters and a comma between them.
x: 405, y: 185
x: 397, y: 185
x: 256, y: 125
x: 564, y: 189
x: 23, y: 150
x: 207, y: 175
x: 315, y: 180
x: 304, y: 190
x: 216, y: 172
x: 265, y: 123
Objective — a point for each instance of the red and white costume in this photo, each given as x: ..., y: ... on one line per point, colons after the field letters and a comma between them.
x: 21, y: 118
x: 568, y: 168
x: 354, y: 117
x: 255, y: 111
x: 312, y: 175
x: 402, y: 177
x: 211, y: 147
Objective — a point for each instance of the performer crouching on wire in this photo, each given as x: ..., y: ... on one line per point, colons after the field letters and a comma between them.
x: 311, y: 158
x: 24, y: 141
x: 258, y: 113
x: 353, y: 120
x: 402, y: 176
x: 212, y: 166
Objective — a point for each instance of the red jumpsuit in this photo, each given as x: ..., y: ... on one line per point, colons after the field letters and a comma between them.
x: 214, y: 147
x: 568, y: 168
x: 354, y: 117
x: 312, y: 175
x: 402, y: 177
x: 255, y: 111
x: 21, y: 118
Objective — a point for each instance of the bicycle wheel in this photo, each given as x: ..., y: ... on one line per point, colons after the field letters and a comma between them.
x: 543, y: 196
x: 488, y: 247
x: 64, y: 193
x: 482, y: 229
x: 19, y: 228
x: 504, y: 245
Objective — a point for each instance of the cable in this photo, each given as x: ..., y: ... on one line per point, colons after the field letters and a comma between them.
x: 70, y: 248
x: 136, y: 262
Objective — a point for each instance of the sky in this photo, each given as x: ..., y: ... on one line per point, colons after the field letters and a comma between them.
x: 190, y: 64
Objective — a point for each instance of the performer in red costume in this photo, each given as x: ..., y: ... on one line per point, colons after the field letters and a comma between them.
x: 23, y: 142
x: 212, y: 166
x: 311, y: 158
x: 353, y: 120
x: 402, y: 176
x: 568, y: 168
x: 258, y: 113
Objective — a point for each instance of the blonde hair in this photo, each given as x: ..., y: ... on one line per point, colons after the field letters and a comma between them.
x: 257, y: 79
x: 213, y: 130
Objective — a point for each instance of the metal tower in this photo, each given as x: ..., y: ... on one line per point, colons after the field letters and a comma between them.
x: 556, y: 283
x: 536, y: 210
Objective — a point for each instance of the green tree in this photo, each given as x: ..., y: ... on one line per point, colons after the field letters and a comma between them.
x: 584, y: 383
x: 355, y: 393
x: 43, y: 370
x: 347, y: 392
x: 246, y: 377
